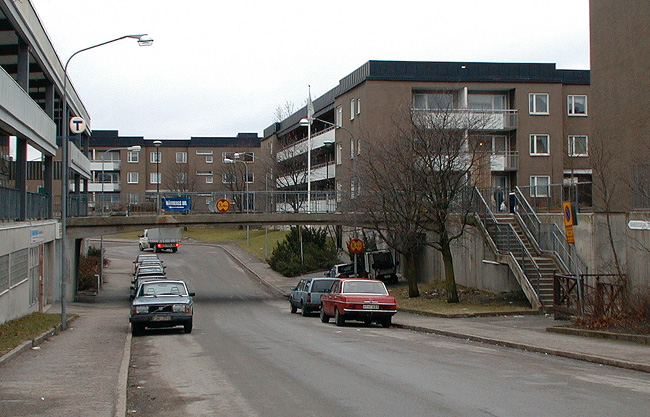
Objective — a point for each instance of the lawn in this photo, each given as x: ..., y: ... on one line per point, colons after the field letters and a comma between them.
x: 14, y: 332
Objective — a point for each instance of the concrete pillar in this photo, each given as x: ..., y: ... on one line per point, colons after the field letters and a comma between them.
x: 23, y: 65
x: 21, y: 176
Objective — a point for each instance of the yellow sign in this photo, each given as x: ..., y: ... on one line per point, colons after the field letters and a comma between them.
x: 223, y: 205
x: 356, y: 246
x: 569, y: 221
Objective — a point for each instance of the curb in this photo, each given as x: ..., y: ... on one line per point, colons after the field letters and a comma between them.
x: 470, y: 315
x: 635, y: 338
x: 496, y: 342
x: 275, y: 289
x: 28, y: 344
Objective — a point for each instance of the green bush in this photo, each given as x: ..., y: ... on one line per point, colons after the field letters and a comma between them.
x: 318, y: 252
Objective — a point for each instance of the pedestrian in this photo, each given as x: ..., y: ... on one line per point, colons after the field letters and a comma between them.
x: 498, y: 199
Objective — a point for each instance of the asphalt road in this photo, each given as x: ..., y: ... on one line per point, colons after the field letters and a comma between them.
x: 249, y: 356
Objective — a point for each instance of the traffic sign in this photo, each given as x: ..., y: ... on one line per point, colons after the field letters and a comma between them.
x: 569, y: 221
x: 356, y: 246
x: 223, y: 205
x: 77, y: 125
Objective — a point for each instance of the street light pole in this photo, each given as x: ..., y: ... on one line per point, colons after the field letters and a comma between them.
x: 247, y: 206
x: 157, y: 144
x: 143, y: 40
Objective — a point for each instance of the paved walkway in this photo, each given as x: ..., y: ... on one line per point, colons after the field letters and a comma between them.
x: 83, y: 371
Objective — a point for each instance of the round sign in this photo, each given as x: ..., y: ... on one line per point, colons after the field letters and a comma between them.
x: 356, y: 246
x: 77, y: 125
x: 223, y: 205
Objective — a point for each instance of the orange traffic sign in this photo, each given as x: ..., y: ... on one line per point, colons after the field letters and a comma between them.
x: 356, y: 246
x: 223, y: 205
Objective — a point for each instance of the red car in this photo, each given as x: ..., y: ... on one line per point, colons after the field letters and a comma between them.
x: 366, y: 300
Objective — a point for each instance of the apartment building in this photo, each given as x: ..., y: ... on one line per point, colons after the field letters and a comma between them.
x: 31, y: 118
x: 535, y: 133
x: 131, y: 170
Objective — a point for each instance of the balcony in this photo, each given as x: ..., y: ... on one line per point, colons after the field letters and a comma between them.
x: 108, y: 165
x: 109, y: 187
x: 495, y: 120
x: 504, y: 161
x: 317, y: 141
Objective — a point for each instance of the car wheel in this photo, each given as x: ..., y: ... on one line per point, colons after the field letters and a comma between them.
x: 385, y: 322
x: 141, y: 247
x: 294, y: 309
x: 137, y: 329
x: 304, y: 310
x: 338, y: 318
x: 367, y: 322
x: 324, y: 317
x: 188, y: 327
x: 174, y: 250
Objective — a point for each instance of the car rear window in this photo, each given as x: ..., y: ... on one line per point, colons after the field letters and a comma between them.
x: 321, y: 285
x: 364, y: 287
x: 162, y: 288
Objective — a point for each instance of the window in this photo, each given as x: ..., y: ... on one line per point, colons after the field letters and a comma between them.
x: 181, y: 178
x: 538, y: 103
x: 132, y: 177
x: 576, y: 105
x: 229, y: 178
x: 251, y: 177
x: 578, y: 145
x: 201, y: 173
x: 358, y: 106
x: 203, y: 152
x: 209, y: 179
x: 133, y: 157
x: 155, y: 157
x: 351, y: 148
x: 433, y: 101
x: 352, y: 109
x: 486, y: 102
x: 339, y: 116
x: 181, y: 157
x: 209, y: 159
x: 339, y: 153
x: 540, y: 186
x: 539, y: 145
x: 154, y: 178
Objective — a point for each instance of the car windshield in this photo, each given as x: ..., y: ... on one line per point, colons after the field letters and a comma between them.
x: 321, y: 285
x: 364, y: 287
x: 154, y: 289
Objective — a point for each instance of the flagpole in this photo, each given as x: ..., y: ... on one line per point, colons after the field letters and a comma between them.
x: 310, y: 118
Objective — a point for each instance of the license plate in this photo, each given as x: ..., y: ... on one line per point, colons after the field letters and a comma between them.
x: 161, y: 318
x: 370, y: 307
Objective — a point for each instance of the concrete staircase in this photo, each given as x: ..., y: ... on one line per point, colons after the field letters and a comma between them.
x: 547, y: 266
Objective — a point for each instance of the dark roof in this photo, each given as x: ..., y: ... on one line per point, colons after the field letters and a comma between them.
x: 489, y: 72
x: 103, y: 138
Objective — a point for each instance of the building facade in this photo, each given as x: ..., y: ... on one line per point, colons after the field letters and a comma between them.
x: 535, y: 131
x: 199, y: 167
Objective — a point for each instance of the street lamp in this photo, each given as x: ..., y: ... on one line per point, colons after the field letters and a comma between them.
x: 157, y: 144
x: 134, y: 148
x: 143, y: 40
x: 236, y: 157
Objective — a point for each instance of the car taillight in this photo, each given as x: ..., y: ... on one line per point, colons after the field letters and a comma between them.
x: 177, y: 244
x: 159, y: 245
x: 309, y: 298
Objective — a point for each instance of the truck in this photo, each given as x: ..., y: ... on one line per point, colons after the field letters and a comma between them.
x: 161, y: 238
x: 381, y: 265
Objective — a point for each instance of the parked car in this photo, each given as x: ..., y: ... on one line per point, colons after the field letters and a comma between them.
x: 140, y: 279
x: 149, y: 262
x: 366, y: 300
x: 149, y: 270
x: 142, y: 257
x: 162, y: 303
x: 306, y: 295
x: 345, y: 270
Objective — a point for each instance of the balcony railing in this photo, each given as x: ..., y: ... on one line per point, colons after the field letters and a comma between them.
x: 37, y: 205
x: 473, y: 119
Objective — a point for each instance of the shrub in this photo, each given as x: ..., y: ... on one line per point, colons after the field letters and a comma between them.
x: 318, y: 252
x: 88, y: 267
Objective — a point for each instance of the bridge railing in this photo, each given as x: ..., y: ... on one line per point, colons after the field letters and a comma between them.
x: 205, y: 202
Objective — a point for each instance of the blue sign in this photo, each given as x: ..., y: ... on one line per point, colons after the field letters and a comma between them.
x: 176, y: 204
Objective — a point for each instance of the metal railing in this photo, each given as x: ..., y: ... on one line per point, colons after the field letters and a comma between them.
x: 548, y: 236
x: 549, y: 198
x: 507, y: 241
x: 597, y: 295
x: 37, y: 205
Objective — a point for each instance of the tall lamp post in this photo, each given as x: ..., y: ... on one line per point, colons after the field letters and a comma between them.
x: 236, y: 157
x: 143, y: 40
x: 157, y: 144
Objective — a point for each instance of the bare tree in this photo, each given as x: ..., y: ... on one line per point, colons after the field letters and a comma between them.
x: 419, y: 182
x: 180, y: 178
x: 283, y: 111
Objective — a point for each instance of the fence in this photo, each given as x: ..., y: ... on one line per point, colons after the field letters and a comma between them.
x: 590, y: 294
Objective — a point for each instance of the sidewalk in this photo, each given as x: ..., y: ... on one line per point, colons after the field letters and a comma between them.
x: 81, y: 370
x: 520, y: 332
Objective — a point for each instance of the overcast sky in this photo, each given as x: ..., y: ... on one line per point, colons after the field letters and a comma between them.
x: 218, y: 68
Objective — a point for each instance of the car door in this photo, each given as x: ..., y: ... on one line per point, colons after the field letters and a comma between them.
x: 327, y: 298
